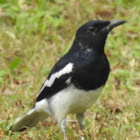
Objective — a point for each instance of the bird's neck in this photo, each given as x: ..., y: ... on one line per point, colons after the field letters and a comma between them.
x: 89, y: 44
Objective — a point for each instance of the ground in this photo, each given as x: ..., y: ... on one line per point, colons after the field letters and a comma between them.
x: 35, y: 34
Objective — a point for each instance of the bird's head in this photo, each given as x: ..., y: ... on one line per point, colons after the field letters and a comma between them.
x: 94, y: 33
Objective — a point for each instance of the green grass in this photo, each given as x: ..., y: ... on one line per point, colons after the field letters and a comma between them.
x: 35, y: 34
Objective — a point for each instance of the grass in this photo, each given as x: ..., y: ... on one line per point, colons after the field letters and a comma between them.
x: 35, y: 34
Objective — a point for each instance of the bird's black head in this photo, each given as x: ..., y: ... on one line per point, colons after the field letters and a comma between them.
x: 93, y: 34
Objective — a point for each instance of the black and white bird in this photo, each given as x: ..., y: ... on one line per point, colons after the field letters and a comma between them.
x: 76, y: 80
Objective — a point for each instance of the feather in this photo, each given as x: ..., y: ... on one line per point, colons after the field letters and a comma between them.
x: 30, y: 119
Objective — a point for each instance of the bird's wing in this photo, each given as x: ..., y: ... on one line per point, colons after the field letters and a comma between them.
x: 58, y: 79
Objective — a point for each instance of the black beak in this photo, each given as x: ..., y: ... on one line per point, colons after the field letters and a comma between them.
x: 113, y: 24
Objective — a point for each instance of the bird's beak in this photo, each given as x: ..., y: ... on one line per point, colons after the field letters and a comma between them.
x: 113, y: 24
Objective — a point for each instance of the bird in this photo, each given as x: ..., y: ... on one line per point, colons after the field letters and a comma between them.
x: 75, y: 81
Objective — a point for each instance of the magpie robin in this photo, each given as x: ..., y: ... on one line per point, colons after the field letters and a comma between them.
x: 76, y: 80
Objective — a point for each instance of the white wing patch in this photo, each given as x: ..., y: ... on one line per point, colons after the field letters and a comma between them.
x: 68, y: 81
x: 49, y: 82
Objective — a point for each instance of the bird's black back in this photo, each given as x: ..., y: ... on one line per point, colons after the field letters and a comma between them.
x: 90, y: 71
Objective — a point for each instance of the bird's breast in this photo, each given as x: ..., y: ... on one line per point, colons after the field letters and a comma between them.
x: 91, y: 74
x: 73, y: 100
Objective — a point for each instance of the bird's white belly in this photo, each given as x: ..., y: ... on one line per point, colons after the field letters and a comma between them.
x: 73, y: 100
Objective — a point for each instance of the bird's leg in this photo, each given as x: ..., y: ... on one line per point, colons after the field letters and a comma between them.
x: 63, y: 128
x: 80, y: 118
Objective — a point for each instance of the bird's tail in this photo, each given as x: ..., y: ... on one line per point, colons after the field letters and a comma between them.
x: 30, y: 119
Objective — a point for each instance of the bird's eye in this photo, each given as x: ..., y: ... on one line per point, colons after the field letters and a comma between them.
x: 92, y: 29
